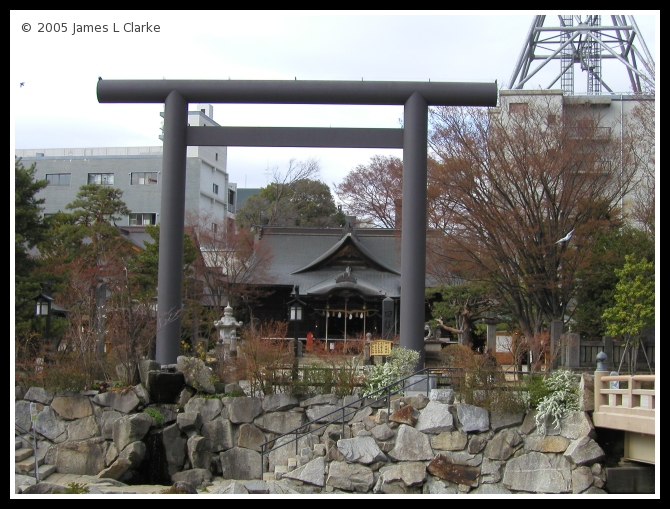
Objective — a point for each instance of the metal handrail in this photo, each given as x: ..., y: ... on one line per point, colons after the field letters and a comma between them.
x: 387, y: 393
x: 33, y: 445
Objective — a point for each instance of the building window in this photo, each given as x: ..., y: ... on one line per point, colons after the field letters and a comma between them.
x: 551, y: 119
x: 101, y: 179
x: 604, y: 166
x: 215, y: 188
x: 216, y: 156
x: 141, y: 218
x: 518, y: 107
x: 231, y: 200
x: 144, y: 178
x: 58, y: 179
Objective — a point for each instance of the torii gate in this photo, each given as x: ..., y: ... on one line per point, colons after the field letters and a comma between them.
x: 177, y: 136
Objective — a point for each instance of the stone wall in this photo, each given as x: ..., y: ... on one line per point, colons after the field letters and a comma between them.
x: 423, y: 445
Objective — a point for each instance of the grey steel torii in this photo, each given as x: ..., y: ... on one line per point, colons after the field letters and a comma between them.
x: 177, y: 136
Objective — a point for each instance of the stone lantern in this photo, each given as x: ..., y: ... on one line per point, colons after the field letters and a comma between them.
x: 227, y: 333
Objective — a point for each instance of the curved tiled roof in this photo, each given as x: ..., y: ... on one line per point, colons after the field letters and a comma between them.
x: 314, y: 258
x: 347, y: 238
x: 340, y: 284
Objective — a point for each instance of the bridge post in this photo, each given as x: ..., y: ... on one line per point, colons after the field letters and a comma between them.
x: 601, y: 371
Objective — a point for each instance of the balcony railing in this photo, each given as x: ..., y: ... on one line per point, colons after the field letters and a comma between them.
x: 589, y: 133
x: 625, y: 402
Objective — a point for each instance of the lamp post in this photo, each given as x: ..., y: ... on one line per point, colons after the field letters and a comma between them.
x: 43, y: 307
x: 295, y: 315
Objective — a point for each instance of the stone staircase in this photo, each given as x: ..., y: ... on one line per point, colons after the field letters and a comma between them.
x: 292, y: 464
x: 304, y: 456
x: 26, y: 456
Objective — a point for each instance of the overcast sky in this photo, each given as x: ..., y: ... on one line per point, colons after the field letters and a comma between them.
x: 57, y: 105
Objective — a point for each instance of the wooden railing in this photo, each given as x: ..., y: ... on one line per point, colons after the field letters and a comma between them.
x: 622, y: 403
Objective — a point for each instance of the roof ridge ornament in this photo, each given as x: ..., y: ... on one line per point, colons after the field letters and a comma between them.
x: 346, y: 276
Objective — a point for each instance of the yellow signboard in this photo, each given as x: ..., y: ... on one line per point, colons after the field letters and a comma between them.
x: 380, y: 347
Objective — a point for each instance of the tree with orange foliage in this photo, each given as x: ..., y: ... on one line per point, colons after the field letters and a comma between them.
x: 512, y: 186
x: 370, y: 191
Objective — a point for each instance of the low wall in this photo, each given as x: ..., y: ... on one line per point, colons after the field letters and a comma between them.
x: 423, y: 445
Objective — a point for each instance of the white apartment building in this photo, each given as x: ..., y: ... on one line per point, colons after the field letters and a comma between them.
x: 614, y: 110
x: 137, y: 172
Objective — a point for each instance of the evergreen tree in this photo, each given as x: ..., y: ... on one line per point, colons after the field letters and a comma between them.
x: 293, y: 198
x: 144, y: 265
x: 634, y: 305
x: 29, y: 230
x: 95, y: 212
x: 598, y: 280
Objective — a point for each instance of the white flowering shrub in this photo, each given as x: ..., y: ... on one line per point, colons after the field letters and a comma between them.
x: 399, y: 364
x: 563, y: 397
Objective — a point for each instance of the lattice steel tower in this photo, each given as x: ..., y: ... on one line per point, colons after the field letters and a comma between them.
x: 584, y: 40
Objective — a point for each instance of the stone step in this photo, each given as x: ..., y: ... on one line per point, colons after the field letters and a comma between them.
x: 27, y: 465
x: 46, y: 470
x: 23, y: 453
x: 280, y: 470
x: 43, y: 471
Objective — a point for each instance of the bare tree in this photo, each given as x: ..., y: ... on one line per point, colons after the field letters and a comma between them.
x: 640, y: 140
x: 513, y: 186
x: 279, y: 191
x: 232, y: 267
x: 131, y: 326
x: 82, y: 337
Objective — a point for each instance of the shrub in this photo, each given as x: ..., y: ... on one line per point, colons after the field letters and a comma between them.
x: 66, y: 370
x: 536, y: 390
x: 263, y: 357
x: 334, y: 371
x: 480, y: 381
x: 338, y: 375
x: 63, y: 375
x: 229, y: 369
x: 75, y: 488
x: 155, y: 414
x: 563, y: 396
x: 399, y: 364
x: 237, y: 392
